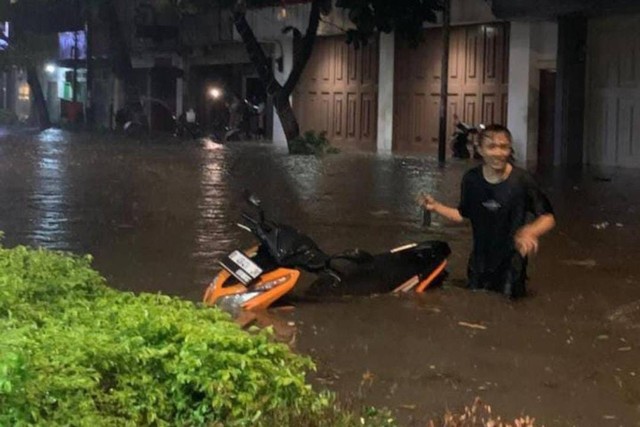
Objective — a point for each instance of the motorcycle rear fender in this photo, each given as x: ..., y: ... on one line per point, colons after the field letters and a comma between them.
x: 423, y: 285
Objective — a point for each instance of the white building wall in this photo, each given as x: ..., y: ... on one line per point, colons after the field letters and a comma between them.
x: 287, y: 53
x: 532, y: 47
x: 50, y: 82
x: 385, y: 92
x: 267, y: 23
x: 471, y: 11
x: 545, y: 43
x: 520, y: 90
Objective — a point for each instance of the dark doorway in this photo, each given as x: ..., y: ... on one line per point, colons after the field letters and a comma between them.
x: 212, y: 112
x: 546, y: 119
x: 162, y: 101
x: 256, y: 94
x: 255, y: 91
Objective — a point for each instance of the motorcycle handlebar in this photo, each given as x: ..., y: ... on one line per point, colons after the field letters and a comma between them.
x: 257, y: 227
x: 249, y: 218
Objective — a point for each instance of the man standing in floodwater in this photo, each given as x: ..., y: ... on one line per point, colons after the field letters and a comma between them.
x: 508, y: 214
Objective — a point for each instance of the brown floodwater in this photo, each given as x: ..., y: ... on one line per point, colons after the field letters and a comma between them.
x: 157, y: 215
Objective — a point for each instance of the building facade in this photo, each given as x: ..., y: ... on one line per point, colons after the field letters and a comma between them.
x: 563, y: 75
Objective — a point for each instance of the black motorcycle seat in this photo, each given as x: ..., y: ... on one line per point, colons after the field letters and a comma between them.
x: 291, y: 248
x: 356, y: 255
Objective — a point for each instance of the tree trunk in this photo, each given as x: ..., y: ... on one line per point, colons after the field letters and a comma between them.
x: 264, y: 68
x: 287, y: 118
x: 38, y: 97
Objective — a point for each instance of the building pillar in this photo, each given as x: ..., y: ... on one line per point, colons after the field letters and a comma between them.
x: 570, y: 90
x: 180, y: 63
x: 116, y: 101
x: 279, y: 138
x: 385, y: 93
x: 147, y: 104
x: 179, y: 96
x: 12, y: 90
x: 5, y: 103
x: 521, y: 114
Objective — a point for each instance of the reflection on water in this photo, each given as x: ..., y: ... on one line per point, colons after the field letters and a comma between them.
x: 49, y: 194
x: 157, y: 215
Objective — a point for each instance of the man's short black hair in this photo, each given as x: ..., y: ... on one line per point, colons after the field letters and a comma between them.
x: 493, y: 129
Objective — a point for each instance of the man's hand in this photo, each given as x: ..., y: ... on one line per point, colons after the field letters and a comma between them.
x: 427, y: 202
x: 526, y: 238
x: 432, y: 205
x: 526, y: 241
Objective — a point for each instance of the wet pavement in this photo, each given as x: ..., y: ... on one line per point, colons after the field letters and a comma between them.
x: 157, y: 215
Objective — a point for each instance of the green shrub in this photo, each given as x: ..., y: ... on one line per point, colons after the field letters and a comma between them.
x: 312, y: 143
x: 75, y: 352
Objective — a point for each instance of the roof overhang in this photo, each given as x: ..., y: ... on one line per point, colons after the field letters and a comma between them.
x: 47, y: 17
x: 514, y: 10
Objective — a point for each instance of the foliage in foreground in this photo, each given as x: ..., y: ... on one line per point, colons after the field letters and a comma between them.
x: 312, y: 143
x: 479, y: 414
x: 75, y: 352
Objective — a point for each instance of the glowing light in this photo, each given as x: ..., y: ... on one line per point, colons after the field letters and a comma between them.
x: 24, y: 92
x: 50, y: 68
x: 282, y: 14
x: 215, y: 92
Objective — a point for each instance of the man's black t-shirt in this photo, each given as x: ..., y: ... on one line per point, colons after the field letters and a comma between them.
x: 496, y: 212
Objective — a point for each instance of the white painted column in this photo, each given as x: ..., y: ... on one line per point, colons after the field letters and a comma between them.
x: 117, y: 100
x: 5, y: 101
x: 179, y: 96
x: 147, y: 104
x: 385, y: 92
x: 179, y: 63
x: 279, y: 138
x: 520, y: 74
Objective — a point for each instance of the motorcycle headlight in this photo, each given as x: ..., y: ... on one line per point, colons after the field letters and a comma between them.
x: 233, y: 303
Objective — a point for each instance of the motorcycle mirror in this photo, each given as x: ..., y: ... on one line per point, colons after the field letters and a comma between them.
x: 252, y: 198
x: 255, y: 201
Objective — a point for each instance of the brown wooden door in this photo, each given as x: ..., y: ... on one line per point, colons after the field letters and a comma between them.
x: 478, y: 73
x: 338, y: 93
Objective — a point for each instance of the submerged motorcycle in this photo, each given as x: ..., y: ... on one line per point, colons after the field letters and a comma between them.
x: 254, y: 279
